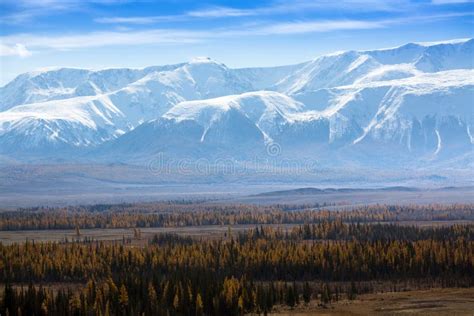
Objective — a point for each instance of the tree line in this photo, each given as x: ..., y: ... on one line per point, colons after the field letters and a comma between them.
x: 198, y: 214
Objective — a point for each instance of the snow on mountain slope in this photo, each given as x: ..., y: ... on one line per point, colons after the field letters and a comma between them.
x: 265, y: 109
x: 447, y: 57
x: 266, y: 77
x: 394, y: 111
x: 414, y: 100
x: 328, y: 71
x: 206, y: 79
x: 431, y: 112
x: 151, y: 138
x: 41, y: 86
x: 350, y: 67
x: 63, y: 83
x: 450, y: 55
x: 389, y: 72
x: 277, y: 116
x: 416, y: 114
x: 211, y: 79
x: 76, y: 122
x: 144, y: 99
x: 230, y: 132
x: 157, y: 92
x: 237, y: 124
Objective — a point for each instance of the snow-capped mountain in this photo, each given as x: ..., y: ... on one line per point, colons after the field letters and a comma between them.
x: 415, y: 101
x: 110, y: 107
x: 64, y: 83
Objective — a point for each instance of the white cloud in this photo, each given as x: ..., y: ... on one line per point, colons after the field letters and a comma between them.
x: 177, y: 36
x: 15, y: 50
x: 27, y: 10
x: 221, y: 12
x: 99, y: 39
x: 128, y: 20
x: 182, y: 36
x: 276, y: 8
x: 318, y: 26
x: 139, y: 19
x: 285, y: 7
x: 218, y: 12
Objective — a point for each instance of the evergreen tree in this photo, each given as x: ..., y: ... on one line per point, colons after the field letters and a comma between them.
x: 290, y: 297
x: 306, y: 293
x: 199, y: 305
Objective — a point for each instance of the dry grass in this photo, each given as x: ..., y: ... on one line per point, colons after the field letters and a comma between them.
x: 109, y: 234
x: 207, y: 231
x: 427, y: 302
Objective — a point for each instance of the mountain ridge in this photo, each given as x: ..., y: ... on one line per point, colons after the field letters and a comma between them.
x: 413, y: 101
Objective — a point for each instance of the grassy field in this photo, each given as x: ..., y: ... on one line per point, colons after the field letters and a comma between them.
x: 428, y: 302
x: 207, y: 231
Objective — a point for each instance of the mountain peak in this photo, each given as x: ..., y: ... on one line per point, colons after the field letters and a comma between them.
x: 205, y: 63
x: 202, y: 60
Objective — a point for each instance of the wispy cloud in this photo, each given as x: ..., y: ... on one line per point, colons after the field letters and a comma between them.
x: 138, y: 19
x: 177, y: 36
x: 100, y: 39
x: 19, y: 50
x: 285, y: 7
x: 26, y: 10
x: 318, y: 26
x: 222, y: 12
x: 276, y: 8
x: 215, y: 12
x: 183, y: 36
x: 23, y: 11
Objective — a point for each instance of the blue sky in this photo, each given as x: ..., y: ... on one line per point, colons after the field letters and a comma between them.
x: 37, y: 34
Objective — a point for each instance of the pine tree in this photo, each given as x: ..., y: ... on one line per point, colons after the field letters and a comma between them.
x: 290, y: 297
x: 75, y: 304
x: 199, y: 305
x: 306, y: 293
x: 107, y: 309
x: 123, y: 297
x: 176, y: 300
x: 241, y: 305
x: 44, y: 308
x: 352, y: 292
x: 152, y: 297
x: 8, y: 297
x: 325, y: 294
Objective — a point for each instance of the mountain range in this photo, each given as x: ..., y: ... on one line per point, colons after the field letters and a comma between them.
x: 405, y: 106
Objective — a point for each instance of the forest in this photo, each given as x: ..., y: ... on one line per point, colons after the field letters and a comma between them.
x: 326, y: 256
x: 186, y: 213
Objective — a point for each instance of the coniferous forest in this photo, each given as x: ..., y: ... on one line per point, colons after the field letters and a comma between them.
x: 324, y: 255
